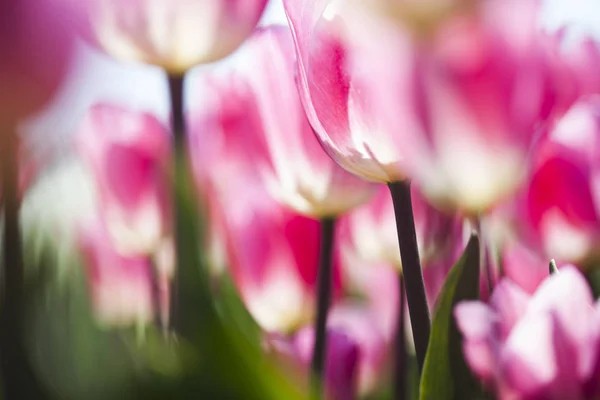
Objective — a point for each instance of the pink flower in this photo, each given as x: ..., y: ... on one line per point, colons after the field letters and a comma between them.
x: 128, y: 153
x: 357, y: 350
x: 298, y: 171
x: 121, y: 286
x: 543, y: 346
x: 332, y: 94
x: 175, y: 34
x: 36, y: 43
x: 559, y: 209
x: 342, y: 359
x: 273, y: 256
x: 456, y: 110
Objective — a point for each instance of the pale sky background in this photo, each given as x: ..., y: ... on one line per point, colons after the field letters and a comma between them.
x: 95, y: 77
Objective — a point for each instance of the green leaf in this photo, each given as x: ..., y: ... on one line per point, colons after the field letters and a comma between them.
x: 445, y: 373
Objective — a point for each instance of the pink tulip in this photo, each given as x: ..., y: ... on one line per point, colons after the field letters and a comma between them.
x: 36, y: 44
x: 456, y: 109
x: 128, y: 152
x: 225, y: 129
x: 175, y: 34
x: 342, y: 359
x: 357, y: 350
x: 272, y: 252
x: 332, y: 95
x: 559, y: 209
x: 301, y: 174
x: 543, y: 346
x: 121, y: 286
x: 274, y: 258
x: 524, y: 267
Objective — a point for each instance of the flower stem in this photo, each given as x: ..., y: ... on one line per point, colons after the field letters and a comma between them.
x: 411, y: 268
x: 400, y: 377
x: 18, y: 380
x: 324, y: 289
x: 180, y: 165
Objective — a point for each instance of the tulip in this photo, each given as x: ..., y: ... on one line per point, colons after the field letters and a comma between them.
x: 523, y: 266
x: 272, y: 252
x: 559, y: 209
x: 543, y: 346
x: 173, y: 34
x: 342, y: 359
x: 36, y: 45
x: 350, y: 327
x: 128, y: 153
x: 360, y: 323
x: 274, y: 264
x: 297, y: 171
x: 332, y: 97
x: 449, y: 110
x: 121, y: 286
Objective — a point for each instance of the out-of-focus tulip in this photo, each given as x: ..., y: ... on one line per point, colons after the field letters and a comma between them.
x: 272, y: 252
x: 523, y: 266
x: 543, y: 346
x: 225, y: 131
x: 128, y: 153
x: 559, y: 210
x: 360, y: 323
x: 36, y: 43
x: 301, y: 174
x: 173, y: 34
x: 456, y: 110
x: 121, y: 286
x: 421, y: 15
x: 357, y: 350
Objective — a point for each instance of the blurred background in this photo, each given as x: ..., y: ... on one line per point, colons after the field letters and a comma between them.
x: 70, y: 353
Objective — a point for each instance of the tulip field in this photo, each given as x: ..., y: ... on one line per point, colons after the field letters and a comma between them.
x: 383, y: 199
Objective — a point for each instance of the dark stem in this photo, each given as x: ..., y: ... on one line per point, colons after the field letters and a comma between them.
x: 324, y: 289
x: 179, y: 155
x: 17, y: 378
x: 400, y: 372
x: 485, y: 264
x: 411, y: 268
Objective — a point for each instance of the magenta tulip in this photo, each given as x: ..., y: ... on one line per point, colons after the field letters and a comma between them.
x: 455, y: 110
x: 543, y: 346
x: 272, y: 252
x: 120, y: 286
x: 36, y: 45
x: 173, y: 34
x: 301, y: 174
x: 559, y: 210
x: 356, y: 357
x: 128, y: 153
x: 342, y: 359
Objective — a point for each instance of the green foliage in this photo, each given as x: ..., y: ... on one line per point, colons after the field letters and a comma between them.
x: 445, y: 373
